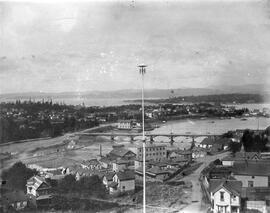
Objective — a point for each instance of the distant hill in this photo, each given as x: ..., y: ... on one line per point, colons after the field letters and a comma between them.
x: 221, y: 98
x: 136, y: 93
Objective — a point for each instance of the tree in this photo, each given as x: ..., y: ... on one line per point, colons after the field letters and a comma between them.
x: 16, y: 177
x: 247, y: 140
x: 235, y: 147
x: 67, y: 184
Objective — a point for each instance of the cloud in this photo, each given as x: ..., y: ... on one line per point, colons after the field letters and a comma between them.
x: 98, y: 45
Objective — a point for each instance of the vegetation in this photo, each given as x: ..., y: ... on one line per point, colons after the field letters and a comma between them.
x: 86, y: 186
x: 222, y: 98
x: 16, y: 176
x: 74, y: 203
x: 254, y: 141
x: 235, y: 147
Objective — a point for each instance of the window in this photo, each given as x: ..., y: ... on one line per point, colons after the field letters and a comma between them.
x: 252, y: 177
x: 123, y: 188
x: 221, y: 196
x: 250, y: 183
x: 234, y: 198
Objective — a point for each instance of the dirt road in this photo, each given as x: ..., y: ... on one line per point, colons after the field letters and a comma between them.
x: 196, y: 205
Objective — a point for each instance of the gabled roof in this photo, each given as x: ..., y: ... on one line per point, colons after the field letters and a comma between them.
x: 121, y: 152
x: 251, y: 168
x: 125, y: 175
x: 37, y: 181
x: 93, y: 162
x: 182, y: 152
x: 232, y: 186
x: 109, y: 176
x: 157, y: 171
x: 113, y: 184
x: 208, y: 141
x: 223, y: 141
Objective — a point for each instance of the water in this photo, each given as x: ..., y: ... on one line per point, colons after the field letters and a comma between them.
x: 251, y: 106
x: 212, y: 126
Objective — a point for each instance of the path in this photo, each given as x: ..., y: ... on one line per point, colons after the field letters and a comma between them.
x: 196, y: 196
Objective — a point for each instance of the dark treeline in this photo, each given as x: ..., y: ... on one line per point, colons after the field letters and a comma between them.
x: 222, y: 98
x: 252, y: 141
x: 27, y: 120
x: 15, y: 177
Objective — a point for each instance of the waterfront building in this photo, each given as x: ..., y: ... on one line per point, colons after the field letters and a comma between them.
x: 153, y: 152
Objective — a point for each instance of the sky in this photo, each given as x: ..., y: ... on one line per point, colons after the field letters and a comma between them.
x: 88, y: 45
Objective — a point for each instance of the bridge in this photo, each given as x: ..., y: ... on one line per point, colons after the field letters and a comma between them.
x: 150, y: 136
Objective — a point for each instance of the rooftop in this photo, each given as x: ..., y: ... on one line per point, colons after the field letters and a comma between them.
x: 254, y: 168
x: 125, y: 175
x: 232, y: 186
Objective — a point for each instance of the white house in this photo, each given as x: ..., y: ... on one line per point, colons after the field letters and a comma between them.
x: 39, y: 188
x: 207, y: 143
x: 125, y: 124
x: 225, y: 196
x: 107, y: 179
x: 123, y: 181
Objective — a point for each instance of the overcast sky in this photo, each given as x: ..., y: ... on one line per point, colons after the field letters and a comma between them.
x: 68, y: 46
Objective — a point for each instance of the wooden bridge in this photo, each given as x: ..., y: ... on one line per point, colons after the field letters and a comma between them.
x: 149, y: 136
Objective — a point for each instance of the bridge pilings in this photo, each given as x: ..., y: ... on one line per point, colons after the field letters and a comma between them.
x: 151, y: 139
x: 171, y: 140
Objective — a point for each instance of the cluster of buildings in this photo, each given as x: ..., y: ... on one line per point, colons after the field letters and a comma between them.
x: 240, y: 182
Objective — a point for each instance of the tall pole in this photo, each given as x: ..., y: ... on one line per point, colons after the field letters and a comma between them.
x: 142, y: 72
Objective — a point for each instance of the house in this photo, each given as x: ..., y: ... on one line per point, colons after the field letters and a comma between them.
x: 198, y: 152
x: 121, y: 153
x: 108, y: 178
x: 120, y: 165
x: 91, y: 164
x: 224, y: 142
x: 16, y: 200
x: 125, y: 124
x: 256, y: 199
x: 40, y: 189
x: 105, y: 162
x: 153, y: 152
x: 252, y: 174
x: 154, y: 174
x: 157, y: 174
x: 207, y: 142
x: 225, y: 195
x: 123, y: 181
x: 180, y: 154
x: 241, y: 156
x: 138, y: 162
